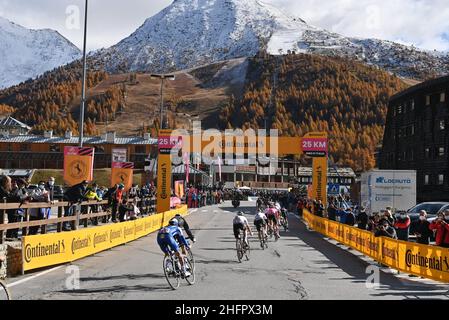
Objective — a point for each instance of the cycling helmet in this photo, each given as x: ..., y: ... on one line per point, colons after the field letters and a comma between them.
x: 240, y: 213
x: 178, y: 215
x: 174, y: 222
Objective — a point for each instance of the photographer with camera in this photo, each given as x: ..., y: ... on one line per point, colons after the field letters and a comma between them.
x: 441, y: 225
x: 385, y: 230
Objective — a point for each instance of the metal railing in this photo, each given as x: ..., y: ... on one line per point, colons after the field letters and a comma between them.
x: 77, y: 218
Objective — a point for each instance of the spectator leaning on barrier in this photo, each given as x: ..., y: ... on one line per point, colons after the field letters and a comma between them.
x: 362, y: 219
x: 350, y: 217
x: 39, y: 195
x: 332, y: 209
x: 50, y: 187
x: 74, y: 195
x: 7, y: 195
x: 385, y: 230
x: 422, y: 229
x: 441, y: 225
x: 402, y: 226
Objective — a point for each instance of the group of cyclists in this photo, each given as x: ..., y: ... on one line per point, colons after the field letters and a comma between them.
x: 269, y: 217
x: 267, y: 220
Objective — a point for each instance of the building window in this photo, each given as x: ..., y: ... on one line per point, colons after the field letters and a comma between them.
x: 24, y: 147
x: 412, y: 104
x: 442, y: 124
x: 426, y: 179
x: 440, y: 179
x: 399, y: 109
x: 441, y: 152
x: 140, y: 149
x: 411, y: 155
x: 428, y: 100
x: 55, y: 148
x: 442, y: 97
x: 9, y: 146
x: 427, y: 153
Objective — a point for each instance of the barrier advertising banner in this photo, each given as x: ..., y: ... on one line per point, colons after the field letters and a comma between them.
x: 422, y: 260
x: 122, y: 172
x: 78, y: 165
x: 56, y: 248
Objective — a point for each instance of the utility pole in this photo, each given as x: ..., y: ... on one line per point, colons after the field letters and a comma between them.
x: 83, y: 87
x: 162, y: 77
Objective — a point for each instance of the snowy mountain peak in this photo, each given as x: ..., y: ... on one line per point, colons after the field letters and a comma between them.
x: 190, y: 33
x: 27, y: 53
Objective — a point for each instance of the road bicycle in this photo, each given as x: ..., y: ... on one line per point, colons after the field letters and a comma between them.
x: 242, y: 248
x: 263, y: 238
x: 4, y: 291
x: 173, y: 272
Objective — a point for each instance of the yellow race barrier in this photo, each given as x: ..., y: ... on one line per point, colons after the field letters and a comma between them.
x: 50, y: 249
x: 425, y: 261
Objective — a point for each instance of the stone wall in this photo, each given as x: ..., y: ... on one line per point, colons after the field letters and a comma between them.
x: 13, y: 264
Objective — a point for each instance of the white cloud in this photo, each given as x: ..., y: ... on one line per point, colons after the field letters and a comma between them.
x: 419, y: 22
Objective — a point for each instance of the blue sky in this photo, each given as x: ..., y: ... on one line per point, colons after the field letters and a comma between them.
x: 424, y: 23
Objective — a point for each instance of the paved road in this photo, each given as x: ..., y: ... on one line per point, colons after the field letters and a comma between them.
x: 301, y: 265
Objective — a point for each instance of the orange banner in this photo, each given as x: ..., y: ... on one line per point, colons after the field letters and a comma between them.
x: 78, y: 165
x: 122, y: 172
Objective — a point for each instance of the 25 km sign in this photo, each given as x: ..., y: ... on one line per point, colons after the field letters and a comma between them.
x: 315, y: 147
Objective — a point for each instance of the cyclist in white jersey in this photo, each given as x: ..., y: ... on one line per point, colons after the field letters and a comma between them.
x: 241, y: 223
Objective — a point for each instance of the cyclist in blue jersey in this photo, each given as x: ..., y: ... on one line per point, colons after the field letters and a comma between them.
x: 167, y: 240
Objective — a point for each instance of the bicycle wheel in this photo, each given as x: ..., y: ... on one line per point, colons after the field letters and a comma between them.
x: 190, y: 257
x: 4, y: 292
x: 171, y: 273
x: 191, y: 279
x: 239, y: 248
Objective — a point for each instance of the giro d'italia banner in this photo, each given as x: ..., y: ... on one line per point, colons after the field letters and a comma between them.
x: 78, y: 165
x: 430, y: 262
x: 122, y: 172
x: 56, y: 248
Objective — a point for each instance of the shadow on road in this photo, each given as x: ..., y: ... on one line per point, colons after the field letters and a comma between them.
x: 216, y: 261
x: 118, y: 288
x: 124, y: 276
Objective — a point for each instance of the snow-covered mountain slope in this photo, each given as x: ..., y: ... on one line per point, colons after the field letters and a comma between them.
x: 26, y: 53
x: 189, y: 33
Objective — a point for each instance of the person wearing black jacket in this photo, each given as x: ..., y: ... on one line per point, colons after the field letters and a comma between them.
x: 183, y: 224
x: 362, y: 219
x: 73, y: 195
x: 332, y: 210
x: 422, y: 230
x: 7, y: 194
x: 385, y: 230
x: 350, y: 218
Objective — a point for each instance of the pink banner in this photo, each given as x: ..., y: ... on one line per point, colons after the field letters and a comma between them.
x: 123, y: 165
x: 187, y: 164
x: 169, y: 142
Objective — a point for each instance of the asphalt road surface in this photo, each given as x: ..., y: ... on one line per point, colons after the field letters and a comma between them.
x: 301, y: 265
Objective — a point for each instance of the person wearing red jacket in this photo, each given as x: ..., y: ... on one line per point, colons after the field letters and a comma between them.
x: 402, y: 226
x: 441, y: 225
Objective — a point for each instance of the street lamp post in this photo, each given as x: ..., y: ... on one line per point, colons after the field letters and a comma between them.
x: 162, y: 77
x: 83, y: 87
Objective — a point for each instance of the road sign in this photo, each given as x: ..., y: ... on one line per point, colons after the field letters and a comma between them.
x: 334, y: 189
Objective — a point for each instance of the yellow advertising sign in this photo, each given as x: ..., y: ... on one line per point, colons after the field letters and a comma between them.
x: 425, y: 261
x: 56, y: 248
x: 122, y: 172
x: 164, y: 174
x: 78, y: 165
x: 319, y: 180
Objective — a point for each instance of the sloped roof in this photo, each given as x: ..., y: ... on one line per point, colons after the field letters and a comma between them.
x: 10, y: 122
x: 75, y: 140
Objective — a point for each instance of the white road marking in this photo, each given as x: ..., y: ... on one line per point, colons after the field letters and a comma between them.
x: 33, y: 277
